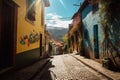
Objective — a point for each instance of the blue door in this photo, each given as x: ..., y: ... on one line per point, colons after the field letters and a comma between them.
x: 96, y: 42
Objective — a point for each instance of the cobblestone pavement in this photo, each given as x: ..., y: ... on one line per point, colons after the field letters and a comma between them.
x: 66, y: 67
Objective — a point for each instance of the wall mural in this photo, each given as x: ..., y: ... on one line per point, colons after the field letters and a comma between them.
x: 31, y: 38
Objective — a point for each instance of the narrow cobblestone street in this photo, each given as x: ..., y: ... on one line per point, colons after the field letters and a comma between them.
x: 66, y: 67
x: 59, y: 39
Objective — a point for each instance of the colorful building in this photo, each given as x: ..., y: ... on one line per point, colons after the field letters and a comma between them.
x: 91, y: 38
x: 21, y: 31
x: 73, y: 33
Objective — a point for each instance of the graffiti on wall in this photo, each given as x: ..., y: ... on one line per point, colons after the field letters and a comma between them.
x: 31, y: 38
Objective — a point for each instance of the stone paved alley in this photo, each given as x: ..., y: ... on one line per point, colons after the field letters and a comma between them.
x: 63, y: 67
x: 66, y: 67
x: 59, y: 39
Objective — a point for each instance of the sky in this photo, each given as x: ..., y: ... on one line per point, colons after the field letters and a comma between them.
x: 60, y: 12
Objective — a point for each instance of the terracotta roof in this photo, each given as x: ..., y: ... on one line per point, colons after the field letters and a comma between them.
x: 58, y: 43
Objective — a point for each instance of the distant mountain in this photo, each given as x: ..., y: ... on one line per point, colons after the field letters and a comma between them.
x: 57, y: 32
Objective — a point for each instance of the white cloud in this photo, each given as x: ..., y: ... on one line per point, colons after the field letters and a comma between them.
x: 56, y: 21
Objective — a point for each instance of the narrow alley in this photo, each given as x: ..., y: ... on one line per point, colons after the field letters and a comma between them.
x: 66, y: 67
x: 59, y: 39
x: 60, y: 67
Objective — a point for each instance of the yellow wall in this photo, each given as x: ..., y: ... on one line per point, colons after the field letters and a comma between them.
x: 24, y: 27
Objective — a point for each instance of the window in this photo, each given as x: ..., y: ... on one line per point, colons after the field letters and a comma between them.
x: 30, y: 12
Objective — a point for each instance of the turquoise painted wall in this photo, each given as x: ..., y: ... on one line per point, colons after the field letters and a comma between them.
x: 89, y: 20
x: 86, y: 10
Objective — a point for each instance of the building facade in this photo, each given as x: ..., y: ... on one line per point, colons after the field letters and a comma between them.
x: 94, y: 42
x: 22, y: 32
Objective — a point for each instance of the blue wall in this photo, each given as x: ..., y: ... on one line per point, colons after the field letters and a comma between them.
x: 86, y: 10
x: 89, y: 21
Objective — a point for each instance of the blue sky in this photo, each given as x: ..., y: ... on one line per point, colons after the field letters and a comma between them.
x: 59, y: 10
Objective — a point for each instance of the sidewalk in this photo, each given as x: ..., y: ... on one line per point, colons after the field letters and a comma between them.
x: 28, y: 72
x: 98, y: 67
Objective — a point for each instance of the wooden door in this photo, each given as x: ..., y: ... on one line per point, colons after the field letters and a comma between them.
x: 8, y: 34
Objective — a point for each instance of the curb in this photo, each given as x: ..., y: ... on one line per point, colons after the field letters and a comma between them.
x: 110, y: 78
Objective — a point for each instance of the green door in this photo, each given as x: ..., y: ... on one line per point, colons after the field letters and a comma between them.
x: 96, y: 42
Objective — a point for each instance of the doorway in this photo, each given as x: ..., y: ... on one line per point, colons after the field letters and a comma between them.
x: 40, y: 44
x: 96, y: 42
x: 8, y: 33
